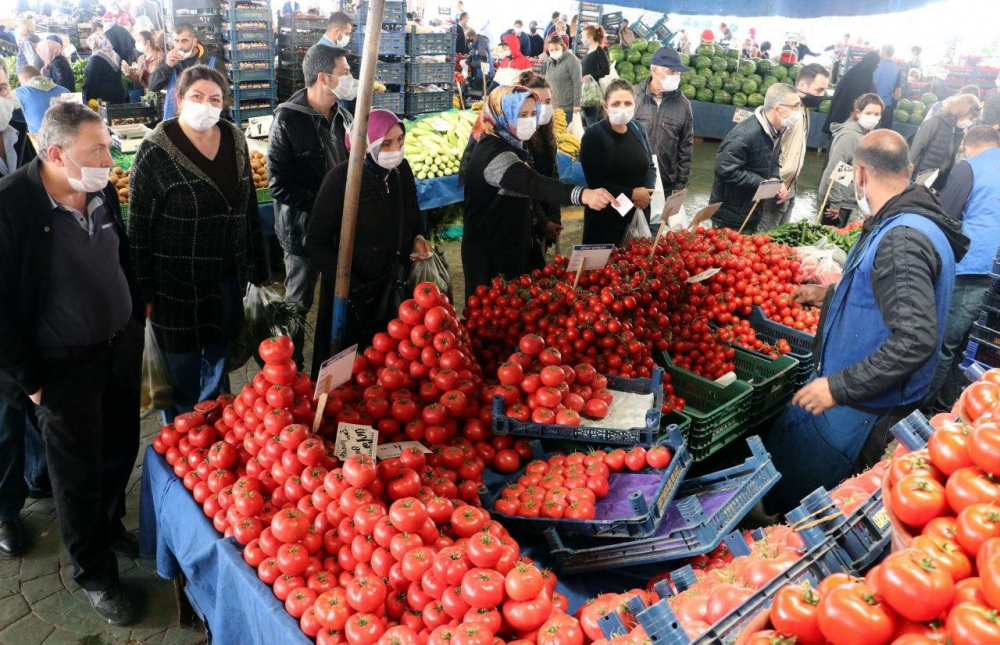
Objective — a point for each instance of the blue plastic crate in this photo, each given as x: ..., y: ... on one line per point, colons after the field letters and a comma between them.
x: 237, y: 15
x: 240, y: 116
x: 862, y: 537
x: 801, y: 342
x: 240, y: 55
x: 386, y: 72
x: 982, y: 352
x: 241, y: 75
x: 502, y: 424
x: 392, y: 101
x: 646, y: 504
x: 433, y: 44
x: 237, y: 35
x: 430, y: 73
x: 391, y: 43
x: 394, y: 13
x: 707, y: 508
x: 428, y: 102
x: 913, y: 431
x: 256, y: 93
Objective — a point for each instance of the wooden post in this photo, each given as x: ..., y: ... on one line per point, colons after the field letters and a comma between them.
x: 355, y: 168
x: 826, y: 198
x: 749, y: 215
x: 320, y: 408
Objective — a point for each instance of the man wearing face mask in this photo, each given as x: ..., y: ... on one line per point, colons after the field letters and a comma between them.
x: 665, y: 114
x: 338, y: 31
x: 749, y: 155
x: 810, y: 85
x: 186, y: 53
x: 307, y: 141
x: 880, y: 332
x: 71, y: 341
x: 523, y: 39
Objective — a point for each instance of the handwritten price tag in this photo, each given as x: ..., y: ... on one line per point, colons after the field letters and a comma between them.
x: 335, y: 371
x: 589, y: 256
x: 704, y: 275
x: 740, y: 114
x: 843, y: 174
x: 353, y: 439
x: 393, y: 450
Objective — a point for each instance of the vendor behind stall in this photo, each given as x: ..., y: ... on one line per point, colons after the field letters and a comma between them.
x: 880, y: 332
x: 187, y: 52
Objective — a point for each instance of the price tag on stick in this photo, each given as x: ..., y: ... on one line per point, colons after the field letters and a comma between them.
x: 335, y: 371
x: 740, y: 115
x: 393, y: 450
x: 704, y: 215
x: 671, y: 207
x: 767, y: 189
x: 843, y: 174
x: 587, y: 257
x: 353, y: 439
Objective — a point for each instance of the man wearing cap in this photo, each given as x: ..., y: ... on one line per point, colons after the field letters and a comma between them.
x: 536, y: 44
x: 665, y: 114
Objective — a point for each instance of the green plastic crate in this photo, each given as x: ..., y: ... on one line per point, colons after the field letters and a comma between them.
x: 772, y: 379
x: 679, y: 419
x: 719, y: 414
x: 264, y: 196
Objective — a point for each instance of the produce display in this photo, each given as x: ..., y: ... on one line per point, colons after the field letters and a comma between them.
x: 119, y: 178
x: 914, y: 112
x: 805, y: 233
x: 258, y: 166
x: 434, y: 145
x: 632, y: 63
x: 566, y: 142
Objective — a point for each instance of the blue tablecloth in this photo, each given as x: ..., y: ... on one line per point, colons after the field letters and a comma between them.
x: 235, y: 605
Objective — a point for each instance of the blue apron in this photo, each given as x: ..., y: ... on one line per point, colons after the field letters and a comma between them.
x: 170, y: 104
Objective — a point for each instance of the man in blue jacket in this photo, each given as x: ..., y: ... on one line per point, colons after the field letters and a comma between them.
x: 880, y: 332
x: 971, y: 196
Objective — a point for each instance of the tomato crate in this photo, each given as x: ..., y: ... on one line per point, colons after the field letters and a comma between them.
x: 646, y: 433
x: 862, y: 536
x: 635, y: 505
x: 428, y: 102
x: 802, y: 343
x: 704, y: 511
x: 719, y: 413
x: 982, y: 352
x: 246, y: 32
x: 772, y: 380
x: 390, y: 43
x: 241, y: 75
x: 675, y: 418
x: 432, y: 44
x: 392, y: 101
x: 394, y: 13
x: 428, y: 73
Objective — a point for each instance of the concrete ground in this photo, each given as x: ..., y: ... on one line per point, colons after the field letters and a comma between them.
x: 40, y: 603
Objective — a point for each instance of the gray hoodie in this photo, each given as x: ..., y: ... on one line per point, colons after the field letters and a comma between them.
x: 846, y: 136
x: 566, y: 80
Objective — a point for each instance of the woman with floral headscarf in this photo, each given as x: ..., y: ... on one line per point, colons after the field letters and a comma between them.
x: 389, y: 235
x: 55, y: 65
x: 500, y: 184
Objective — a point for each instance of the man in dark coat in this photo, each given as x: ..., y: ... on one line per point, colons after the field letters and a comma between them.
x: 307, y: 141
x: 749, y: 155
x: 187, y: 52
x: 70, y: 340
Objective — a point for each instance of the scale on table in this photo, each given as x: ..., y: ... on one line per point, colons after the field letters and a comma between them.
x: 257, y: 132
x: 126, y: 138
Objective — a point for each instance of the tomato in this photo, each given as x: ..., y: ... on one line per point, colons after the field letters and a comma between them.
x: 984, y: 446
x: 408, y: 514
x: 947, y: 554
x: 280, y: 373
x: 561, y: 629
x: 510, y: 373
x: 482, y: 588
x: 975, y: 525
x: 947, y: 448
x: 941, y: 526
x: 427, y: 294
x: 615, y: 460
x: 979, y: 399
x: 796, y: 611
x: 724, y: 598
x: 363, y: 629
x: 523, y: 582
x: 595, y: 409
x: 970, y: 485
x: 917, y: 499
x: 658, y: 457
x: 299, y: 601
x: 527, y: 615
x: 567, y: 417
x: 506, y: 461
x: 366, y: 594
x: 278, y: 349
x: 973, y: 624
x: 484, y: 550
x: 915, y: 586
x: 851, y: 614
x: 360, y: 471
x: 531, y: 344
x: 969, y: 590
x: 635, y: 459
x: 289, y: 526
x: 916, y: 463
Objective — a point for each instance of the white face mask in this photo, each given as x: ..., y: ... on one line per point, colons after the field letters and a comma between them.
x: 791, y: 119
x: 344, y: 41
x: 526, y: 127
x: 347, y: 88
x: 669, y: 82
x: 200, y: 116
x: 556, y: 55
x: 620, y: 116
x: 91, y: 179
x: 7, y: 106
x: 965, y: 124
x: 188, y: 54
x: 868, y: 121
x: 863, y: 205
x: 517, y: 31
x: 389, y: 160
x: 545, y: 114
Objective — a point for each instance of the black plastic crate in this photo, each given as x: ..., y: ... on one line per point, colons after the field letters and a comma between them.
x: 199, y: 20
x: 115, y: 113
x: 394, y: 13
x: 430, y: 73
x: 387, y: 73
x: 430, y: 44
x: 392, y: 101
x: 391, y: 43
x: 426, y: 102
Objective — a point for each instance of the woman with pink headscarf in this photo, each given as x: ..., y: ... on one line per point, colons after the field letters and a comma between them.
x: 54, y: 64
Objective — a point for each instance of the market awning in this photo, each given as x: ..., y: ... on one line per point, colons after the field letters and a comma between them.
x: 785, y: 8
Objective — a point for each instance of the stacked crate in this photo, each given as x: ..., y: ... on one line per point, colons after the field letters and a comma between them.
x: 612, y: 23
x: 203, y: 15
x: 296, y: 34
x: 853, y: 57
x: 984, y: 337
x: 430, y: 80
x: 391, y: 53
x: 588, y: 13
x: 248, y: 48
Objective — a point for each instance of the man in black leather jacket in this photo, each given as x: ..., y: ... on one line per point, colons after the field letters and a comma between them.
x: 307, y: 141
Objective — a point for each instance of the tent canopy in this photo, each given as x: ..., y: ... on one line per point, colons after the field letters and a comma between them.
x: 785, y: 8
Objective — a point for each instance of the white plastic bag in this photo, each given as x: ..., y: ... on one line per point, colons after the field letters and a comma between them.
x: 637, y: 228
x: 658, y: 199
x: 576, y: 126
x: 433, y: 270
x: 608, y: 80
x: 821, y: 263
x: 156, y: 392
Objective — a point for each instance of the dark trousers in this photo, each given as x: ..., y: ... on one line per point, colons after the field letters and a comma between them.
x: 300, y: 288
x: 22, y: 458
x: 89, y: 417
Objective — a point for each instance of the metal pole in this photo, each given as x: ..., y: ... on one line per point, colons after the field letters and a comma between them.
x: 355, y: 168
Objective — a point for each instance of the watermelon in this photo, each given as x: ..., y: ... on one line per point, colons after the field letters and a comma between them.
x: 764, y: 67
x: 793, y: 71
x: 719, y: 64
x: 634, y: 56
x: 733, y: 65
x: 705, y: 95
x: 714, y: 84
x: 824, y: 107
x: 757, y: 78
x: 625, y: 67
x: 641, y: 73
x: 685, y: 59
x: 916, y: 118
x: 702, y: 62
x: 653, y: 45
x: 689, y: 91
x: 706, y: 72
x: 723, y: 97
x: 687, y: 76
x: 647, y: 58
x: 928, y: 99
x: 905, y: 104
x: 739, y: 99
x: 640, y: 45
x: 902, y: 116
x: 748, y: 67
x: 755, y: 100
x: 705, y: 50
x: 732, y: 86
x: 719, y: 49
x: 749, y: 87
x: 779, y: 72
x: 733, y: 53
x: 723, y: 74
x: 628, y: 76
x: 616, y: 53
x: 698, y: 82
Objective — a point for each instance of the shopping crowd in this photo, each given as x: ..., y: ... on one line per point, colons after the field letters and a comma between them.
x: 82, y: 285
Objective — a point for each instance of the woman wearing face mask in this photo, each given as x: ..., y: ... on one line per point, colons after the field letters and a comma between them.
x: 195, y: 236
x: 150, y: 57
x: 500, y: 187
x: 867, y: 112
x: 16, y: 149
x: 565, y: 76
x: 595, y: 65
x: 546, y: 219
x: 388, y: 237
x: 55, y: 67
x: 616, y: 156
x: 934, y: 146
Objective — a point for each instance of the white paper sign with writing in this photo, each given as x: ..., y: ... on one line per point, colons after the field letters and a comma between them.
x: 624, y: 205
x: 741, y: 114
x: 335, y: 371
x: 589, y: 256
x: 393, y: 450
x: 704, y: 275
x: 353, y: 439
x: 767, y: 189
x: 843, y: 174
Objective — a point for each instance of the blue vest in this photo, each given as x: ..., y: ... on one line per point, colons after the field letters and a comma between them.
x: 981, y: 222
x: 170, y: 103
x: 853, y: 327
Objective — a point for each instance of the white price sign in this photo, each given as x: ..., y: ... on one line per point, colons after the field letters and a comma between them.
x: 704, y: 275
x: 393, y: 450
x: 740, y: 114
x: 843, y: 174
x: 353, y: 439
x: 335, y: 371
x: 767, y: 189
x: 589, y: 256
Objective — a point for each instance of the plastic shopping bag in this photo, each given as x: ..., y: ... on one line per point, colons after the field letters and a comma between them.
x: 433, y: 270
x: 608, y: 80
x: 658, y: 199
x: 590, y: 94
x: 576, y: 126
x: 821, y: 263
x: 156, y: 392
x: 265, y: 314
x: 637, y: 228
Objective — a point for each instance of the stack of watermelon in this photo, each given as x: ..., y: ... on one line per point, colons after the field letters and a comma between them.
x: 632, y: 63
x: 913, y: 112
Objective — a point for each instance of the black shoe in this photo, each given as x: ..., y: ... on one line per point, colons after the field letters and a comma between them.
x: 126, y: 544
x: 112, y: 605
x: 11, y: 540
x: 39, y: 493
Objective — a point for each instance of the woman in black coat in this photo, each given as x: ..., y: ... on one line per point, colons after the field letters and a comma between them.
x: 389, y: 235
x: 857, y: 81
x: 55, y: 67
x: 595, y: 65
x: 546, y: 220
x: 500, y: 187
x: 616, y: 156
x: 102, y: 78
